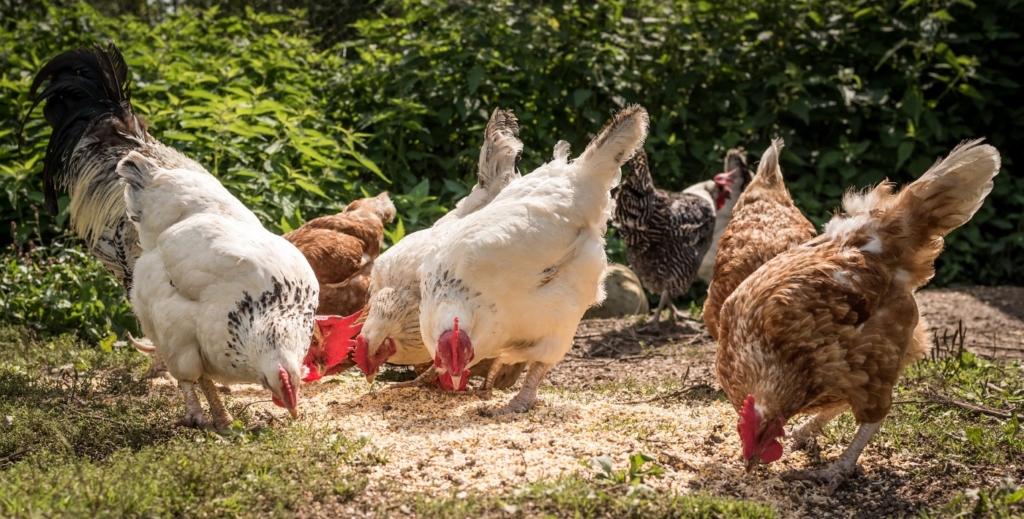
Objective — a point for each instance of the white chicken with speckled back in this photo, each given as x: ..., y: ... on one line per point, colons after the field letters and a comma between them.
x: 222, y: 298
x: 513, y: 279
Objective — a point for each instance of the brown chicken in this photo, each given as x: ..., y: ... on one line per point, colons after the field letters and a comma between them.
x: 764, y: 223
x: 341, y: 249
x: 831, y: 324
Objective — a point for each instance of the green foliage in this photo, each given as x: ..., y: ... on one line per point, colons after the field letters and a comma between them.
x: 861, y: 91
x: 60, y: 288
x: 634, y: 475
x: 239, y: 94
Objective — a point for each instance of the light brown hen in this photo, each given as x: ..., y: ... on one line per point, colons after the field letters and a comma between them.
x: 764, y: 223
x: 341, y: 249
x: 830, y: 324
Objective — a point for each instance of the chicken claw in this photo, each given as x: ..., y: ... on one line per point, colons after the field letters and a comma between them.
x: 527, y: 396
x: 844, y: 467
x: 424, y: 379
x: 194, y: 416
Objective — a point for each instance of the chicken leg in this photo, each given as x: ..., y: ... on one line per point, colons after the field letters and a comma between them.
x: 485, y: 391
x: 527, y: 396
x: 424, y: 379
x: 804, y: 435
x: 845, y: 466
x: 194, y: 416
x: 221, y: 418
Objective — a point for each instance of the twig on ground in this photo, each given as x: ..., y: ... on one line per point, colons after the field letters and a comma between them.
x: 246, y: 406
x: 967, y: 406
x: 13, y: 457
x: 673, y: 394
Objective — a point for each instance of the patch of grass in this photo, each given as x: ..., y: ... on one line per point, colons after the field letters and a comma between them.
x: 1001, y: 502
x: 272, y: 473
x: 967, y: 440
x: 79, y: 438
x: 580, y: 497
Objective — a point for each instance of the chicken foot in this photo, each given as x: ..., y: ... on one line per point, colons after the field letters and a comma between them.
x: 845, y: 466
x: 804, y: 435
x: 485, y: 392
x: 194, y: 416
x: 221, y: 418
x: 527, y: 396
x: 424, y: 379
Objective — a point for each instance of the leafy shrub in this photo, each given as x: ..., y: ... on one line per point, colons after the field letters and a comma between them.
x: 238, y: 94
x: 860, y: 90
x: 60, y: 288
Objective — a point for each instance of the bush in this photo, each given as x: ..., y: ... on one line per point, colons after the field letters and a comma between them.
x: 860, y: 90
x: 61, y: 289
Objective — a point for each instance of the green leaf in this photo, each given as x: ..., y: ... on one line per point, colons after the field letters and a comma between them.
x: 107, y: 343
x: 903, y: 153
x: 908, y: 3
x: 474, y: 77
x: 580, y: 96
x: 799, y: 108
x: 970, y: 91
x: 309, y: 186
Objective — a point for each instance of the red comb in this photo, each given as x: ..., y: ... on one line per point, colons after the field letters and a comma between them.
x: 747, y: 426
x: 338, y: 340
x: 453, y: 339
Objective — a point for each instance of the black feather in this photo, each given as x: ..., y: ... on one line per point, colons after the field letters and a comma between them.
x: 84, y: 87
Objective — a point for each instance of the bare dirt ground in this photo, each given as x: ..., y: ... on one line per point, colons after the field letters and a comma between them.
x: 598, y: 402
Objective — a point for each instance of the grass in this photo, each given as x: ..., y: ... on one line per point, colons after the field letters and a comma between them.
x: 82, y: 434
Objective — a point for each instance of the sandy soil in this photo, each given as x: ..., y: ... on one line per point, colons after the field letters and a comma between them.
x: 438, y: 444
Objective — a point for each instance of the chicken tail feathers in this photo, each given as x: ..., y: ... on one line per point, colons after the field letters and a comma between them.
x: 615, y: 144
x: 85, y: 85
x: 500, y: 154
x: 907, y: 228
x: 768, y: 171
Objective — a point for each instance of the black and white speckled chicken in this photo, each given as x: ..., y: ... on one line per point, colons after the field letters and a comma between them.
x: 666, y: 233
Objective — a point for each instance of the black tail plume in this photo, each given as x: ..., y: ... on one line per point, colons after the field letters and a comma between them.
x: 84, y: 86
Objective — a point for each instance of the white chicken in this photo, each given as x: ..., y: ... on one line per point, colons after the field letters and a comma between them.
x: 391, y: 331
x: 513, y: 279
x: 221, y: 297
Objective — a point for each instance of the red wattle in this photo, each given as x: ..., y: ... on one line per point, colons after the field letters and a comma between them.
x: 772, y: 452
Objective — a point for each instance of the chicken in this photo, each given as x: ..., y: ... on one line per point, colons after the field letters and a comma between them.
x: 736, y: 168
x: 831, y: 324
x: 666, y: 234
x: 391, y: 328
x: 341, y: 249
x: 513, y: 279
x: 765, y: 223
x: 222, y: 298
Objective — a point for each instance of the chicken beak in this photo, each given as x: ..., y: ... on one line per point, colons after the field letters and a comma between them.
x: 294, y: 412
x: 456, y: 381
x: 370, y: 377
